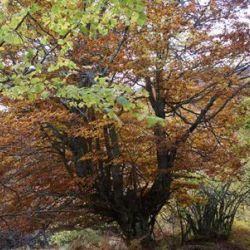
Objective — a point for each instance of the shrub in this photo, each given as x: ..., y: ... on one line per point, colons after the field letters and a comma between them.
x: 213, y: 215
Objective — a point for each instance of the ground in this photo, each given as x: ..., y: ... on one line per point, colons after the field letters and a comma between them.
x: 91, y: 240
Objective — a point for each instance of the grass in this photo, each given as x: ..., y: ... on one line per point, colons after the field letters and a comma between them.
x: 241, y: 234
x: 239, y: 240
x: 94, y: 240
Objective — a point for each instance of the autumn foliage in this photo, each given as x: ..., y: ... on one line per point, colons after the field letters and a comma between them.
x: 116, y: 117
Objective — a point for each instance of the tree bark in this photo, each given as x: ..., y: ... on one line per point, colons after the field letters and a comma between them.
x: 137, y: 229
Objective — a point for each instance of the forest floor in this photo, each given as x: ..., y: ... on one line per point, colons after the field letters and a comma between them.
x: 109, y: 239
x: 241, y: 235
x: 239, y: 240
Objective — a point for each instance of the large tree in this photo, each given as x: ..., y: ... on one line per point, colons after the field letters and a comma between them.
x: 127, y: 96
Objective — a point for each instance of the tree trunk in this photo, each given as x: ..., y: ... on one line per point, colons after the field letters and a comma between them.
x: 138, y: 230
x: 159, y: 193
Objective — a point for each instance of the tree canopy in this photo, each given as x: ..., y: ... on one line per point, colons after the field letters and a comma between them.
x: 112, y: 106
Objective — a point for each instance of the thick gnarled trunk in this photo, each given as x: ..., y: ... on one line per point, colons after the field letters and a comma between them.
x: 137, y: 229
x: 132, y: 206
x: 135, y: 210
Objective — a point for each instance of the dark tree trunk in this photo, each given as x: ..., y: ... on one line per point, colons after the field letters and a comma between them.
x: 137, y: 228
x: 159, y: 193
x: 135, y: 210
x: 132, y: 206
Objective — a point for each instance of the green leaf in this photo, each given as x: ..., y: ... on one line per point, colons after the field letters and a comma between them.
x: 45, y: 94
x: 122, y: 100
x: 34, y: 8
x: 1, y: 65
x: 154, y: 120
x: 13, y: 39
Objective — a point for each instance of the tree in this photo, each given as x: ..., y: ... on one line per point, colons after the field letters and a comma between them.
x: 173, y: 81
